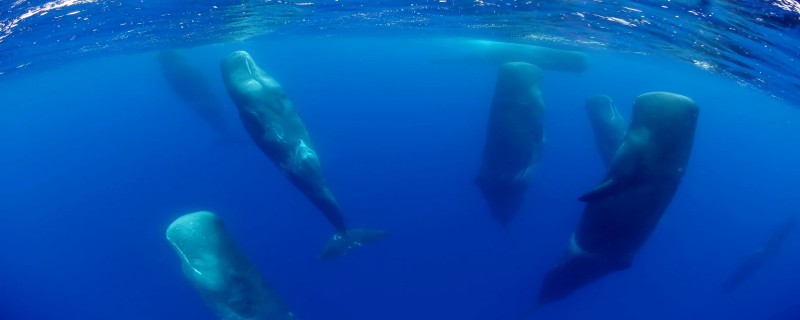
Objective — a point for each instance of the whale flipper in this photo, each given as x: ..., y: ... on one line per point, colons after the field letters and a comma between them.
x: 601, y: 191
x: 626, y: 169
x: 343, y: 242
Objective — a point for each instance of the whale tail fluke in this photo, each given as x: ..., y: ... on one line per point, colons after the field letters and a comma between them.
x: 343, y: 242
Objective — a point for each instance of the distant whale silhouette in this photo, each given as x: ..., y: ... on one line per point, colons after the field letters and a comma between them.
x: 274, y: 125
x: 625, y: 208
x: 189, y: 83
x: 514, y: 139
x: 220, y: 272
x: 757, y: 259
x: 608, y: 125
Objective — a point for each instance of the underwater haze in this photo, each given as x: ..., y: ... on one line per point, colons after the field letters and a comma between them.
x: 99, y: 155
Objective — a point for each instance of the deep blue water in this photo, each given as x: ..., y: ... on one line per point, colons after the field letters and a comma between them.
x: 98, y: 156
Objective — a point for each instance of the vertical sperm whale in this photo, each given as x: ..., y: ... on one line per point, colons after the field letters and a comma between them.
x: 272, y: 121
x: 626, y: 206
x: 514, y: 139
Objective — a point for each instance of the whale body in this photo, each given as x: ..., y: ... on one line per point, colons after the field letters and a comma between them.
x: 229, y: 284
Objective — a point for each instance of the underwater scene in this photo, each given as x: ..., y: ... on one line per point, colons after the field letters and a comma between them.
x: 439, y: 159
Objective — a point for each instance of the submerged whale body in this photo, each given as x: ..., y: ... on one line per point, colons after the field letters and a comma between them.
x: 220, y: 272
x: 608, y: 125
x: 759, y: 258
x: 497, y: 53
x: 270, y: 118
x: 188, y: 82
x: 514, y: 138
x: 625, y: 208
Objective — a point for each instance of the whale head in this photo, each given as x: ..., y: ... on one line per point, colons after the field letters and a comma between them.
x: 246, y: 82
x: 220, y: 272
x: 600, y: 108
x: 240, y: 63
x: 664, y: 112
x: 198, y: 239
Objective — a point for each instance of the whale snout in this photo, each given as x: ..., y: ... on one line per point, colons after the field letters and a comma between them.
x: 195, y: 235
x: 240, y: 56
x: 665, y: 110
x: 598, y: 103
x: 239, y: 62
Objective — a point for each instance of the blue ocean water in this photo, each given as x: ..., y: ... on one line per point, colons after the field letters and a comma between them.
x: 99, y: 156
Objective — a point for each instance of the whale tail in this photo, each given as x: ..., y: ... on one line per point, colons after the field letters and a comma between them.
x: 343, y: 242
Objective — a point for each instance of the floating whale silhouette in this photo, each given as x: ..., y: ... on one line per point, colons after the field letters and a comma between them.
x: 757, y: 259
x: 189, y: 83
